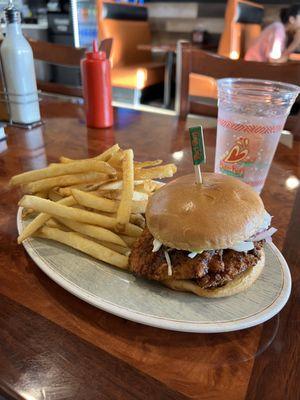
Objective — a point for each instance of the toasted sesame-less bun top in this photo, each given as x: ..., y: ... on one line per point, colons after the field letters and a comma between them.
x: 215, y: 215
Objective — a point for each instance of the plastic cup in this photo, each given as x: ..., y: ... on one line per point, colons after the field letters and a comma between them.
x: 251, y: 116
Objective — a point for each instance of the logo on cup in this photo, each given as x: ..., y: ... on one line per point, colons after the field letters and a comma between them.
x: 238, y: 152
x: 231, y: 163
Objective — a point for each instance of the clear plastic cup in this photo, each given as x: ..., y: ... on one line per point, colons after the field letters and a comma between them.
x: 251, y: 116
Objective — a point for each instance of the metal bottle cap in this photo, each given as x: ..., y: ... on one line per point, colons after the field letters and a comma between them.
x: 12, y: 14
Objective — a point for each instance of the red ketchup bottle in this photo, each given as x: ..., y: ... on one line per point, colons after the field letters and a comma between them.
x: 96, y: 83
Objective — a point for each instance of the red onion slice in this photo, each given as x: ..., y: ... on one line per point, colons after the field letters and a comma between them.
x: 263, y: 235
x: 168, y: 259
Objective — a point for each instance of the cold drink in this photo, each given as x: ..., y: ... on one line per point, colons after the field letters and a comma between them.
x: 251, y: 116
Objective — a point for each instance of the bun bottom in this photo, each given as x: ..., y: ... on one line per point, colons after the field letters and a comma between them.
x: 237, y: 285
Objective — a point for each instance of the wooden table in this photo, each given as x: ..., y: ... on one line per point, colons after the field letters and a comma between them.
x: 55, y: 346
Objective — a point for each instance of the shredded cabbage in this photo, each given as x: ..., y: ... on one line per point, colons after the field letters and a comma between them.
x: 192, y: 254
x: 156, y: 245
x: 266, y: 222
x: 242, y: 246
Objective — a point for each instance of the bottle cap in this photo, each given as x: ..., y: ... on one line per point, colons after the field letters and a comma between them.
x: 12, y: 14
x: 95, y: 54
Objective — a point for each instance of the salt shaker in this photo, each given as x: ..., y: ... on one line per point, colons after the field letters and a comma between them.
x: 19, y: 73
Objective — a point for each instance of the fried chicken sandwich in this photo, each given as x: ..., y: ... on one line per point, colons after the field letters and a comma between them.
x: 203, y: 238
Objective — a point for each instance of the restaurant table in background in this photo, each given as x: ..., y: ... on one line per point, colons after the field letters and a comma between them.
x: 55, y: 346
x: 169, y: 50
x: 294, y: 57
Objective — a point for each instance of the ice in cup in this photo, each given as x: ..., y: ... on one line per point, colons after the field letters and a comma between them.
x: 251, y: 117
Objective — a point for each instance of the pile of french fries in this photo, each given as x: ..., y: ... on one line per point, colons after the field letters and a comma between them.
x: 94, y: 205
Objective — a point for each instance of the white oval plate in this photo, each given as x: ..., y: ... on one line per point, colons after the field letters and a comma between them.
x: 120, y: 293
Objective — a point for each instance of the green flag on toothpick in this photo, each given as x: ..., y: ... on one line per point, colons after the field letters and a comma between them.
x: 198, y: 150
x: 197, y: 142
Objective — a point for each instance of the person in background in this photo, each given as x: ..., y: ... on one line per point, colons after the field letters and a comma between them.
x: 279, y: 39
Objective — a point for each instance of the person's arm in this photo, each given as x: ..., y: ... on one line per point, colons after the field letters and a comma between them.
x: 293, y: 46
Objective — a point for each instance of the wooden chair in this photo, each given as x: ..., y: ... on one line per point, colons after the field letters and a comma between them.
x: 57, y: 54
x: 243, y: 21
x: 129, y: 27
x: 67, y: 56
x: 195, y: 61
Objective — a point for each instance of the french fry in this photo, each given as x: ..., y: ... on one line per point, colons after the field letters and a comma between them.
x: 94, y: 186
x: 27, y: 213
x: 39, y: 221
x: 102, y: 157
x: 117, y: 185
x: 124, y: 209
x: 86, y: 187
x: 139, y: 196
x: 162, y: 171
x: 116, y: 195
x: 93, y: 231
x: 66, y: 160
x: 43, y: 194
x: 61, y: 181
x: 59, y: 210
x: 115, y: 247
x: 139, y: 207
x: 150, y: 186
x: 65, y: 191
x: 53, y: 223
x: 129, y: 240
x: 87, y: 217
x: 144, y: 164
x: 84, y: 245
x: 80, y: 166
x: 116, y: 159
x: 54, y: 194
x: 77, y: 167
x: 137, y: 219
x: 95, y: 202
x: 141, y: 188
x: 94, y: 205
x: 107, y: 154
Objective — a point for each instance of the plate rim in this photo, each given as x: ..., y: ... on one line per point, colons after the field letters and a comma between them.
x: 157, y: 322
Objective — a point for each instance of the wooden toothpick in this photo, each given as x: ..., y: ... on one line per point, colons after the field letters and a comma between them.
x: 198, y: 174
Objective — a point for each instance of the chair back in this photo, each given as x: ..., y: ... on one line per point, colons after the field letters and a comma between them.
x: 128, y: 26
x: 243, y: 21
x: 57, y: 54
x: 195, y: 61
